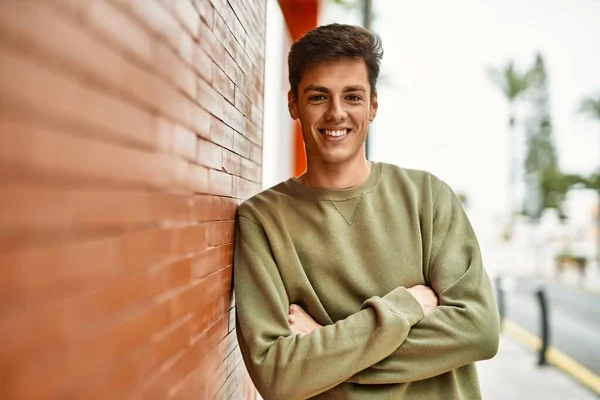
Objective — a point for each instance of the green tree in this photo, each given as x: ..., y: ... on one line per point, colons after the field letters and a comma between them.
x: 590, y: 106
x: 513, y: 84
x: 546, y: 185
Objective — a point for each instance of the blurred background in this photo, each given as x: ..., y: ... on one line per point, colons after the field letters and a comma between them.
x: 132, y: 129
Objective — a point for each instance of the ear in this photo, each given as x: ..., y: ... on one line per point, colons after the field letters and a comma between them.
x: 292, y: 105
x: 373, y: 109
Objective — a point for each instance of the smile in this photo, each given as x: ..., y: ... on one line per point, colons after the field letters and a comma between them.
x: 335, y: 134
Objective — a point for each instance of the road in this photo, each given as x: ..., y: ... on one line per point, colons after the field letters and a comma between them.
x: 574, y: 318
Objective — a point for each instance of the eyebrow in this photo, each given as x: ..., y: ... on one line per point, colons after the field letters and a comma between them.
x: 323, y: 89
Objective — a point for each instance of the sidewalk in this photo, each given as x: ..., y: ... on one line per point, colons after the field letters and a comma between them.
x: 513, y: 374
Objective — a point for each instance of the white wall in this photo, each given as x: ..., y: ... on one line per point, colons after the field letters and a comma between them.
x: 278, y: 127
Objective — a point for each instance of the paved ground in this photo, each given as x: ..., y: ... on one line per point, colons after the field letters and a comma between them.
x: 514, y: 375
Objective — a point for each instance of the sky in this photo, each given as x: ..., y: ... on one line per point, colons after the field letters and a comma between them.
x: 440, y: 112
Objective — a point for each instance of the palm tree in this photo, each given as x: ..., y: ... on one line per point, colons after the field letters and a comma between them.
x: 513, y: 84
x: 590, y: 106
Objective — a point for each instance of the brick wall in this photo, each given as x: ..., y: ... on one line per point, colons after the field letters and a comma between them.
x: 130, y: 130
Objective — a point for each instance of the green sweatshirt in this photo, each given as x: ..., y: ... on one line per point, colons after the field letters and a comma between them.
x: 347, y: 257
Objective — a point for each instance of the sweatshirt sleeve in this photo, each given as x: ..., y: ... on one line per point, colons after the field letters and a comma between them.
x: 465, y: 327
x: 288, y: 366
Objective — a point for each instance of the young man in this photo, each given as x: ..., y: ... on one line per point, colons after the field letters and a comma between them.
x: 338, y: 273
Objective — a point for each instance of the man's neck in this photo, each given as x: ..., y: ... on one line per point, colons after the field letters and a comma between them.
x: 336, y: 176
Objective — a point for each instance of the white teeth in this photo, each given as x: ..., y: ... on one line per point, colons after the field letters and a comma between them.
x: 340, y: 132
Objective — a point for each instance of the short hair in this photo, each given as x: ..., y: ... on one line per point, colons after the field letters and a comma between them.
x: 335, y: 42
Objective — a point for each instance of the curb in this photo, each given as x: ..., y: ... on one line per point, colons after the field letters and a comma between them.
x: 554, y: 356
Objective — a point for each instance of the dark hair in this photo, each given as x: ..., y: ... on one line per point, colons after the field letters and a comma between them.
x: 332, y: 43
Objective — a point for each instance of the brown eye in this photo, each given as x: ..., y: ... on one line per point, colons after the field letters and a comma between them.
x: 353, y: 98
x: 317, y: 97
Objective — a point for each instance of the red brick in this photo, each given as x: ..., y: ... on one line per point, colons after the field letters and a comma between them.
x: 191, y: 238
x: 221, y: 134
x: 229, y: 343
x: 221, y: 233
x: 178, y: 273
x: 188, y: 15
x: 211, y: 260
x: 121, y: 29
x: 183, y: 303
x: 175, y: 105
x: 242, y: 60
x: 206, y: 208
x: 224, y: 85
x: 84, y: 53
x: 202, y: 63
x: 256, y: 153
x: 257, y: 116
x: 210, y: 99
x: 214, y: 285
x: 228, y: 208
x: 166, y: 345
x: 173, y: 68
x: 209, y: 314
x: 224, y: 35
x: 252, y: 51
x: 220, y: 6
x: 184, y: 142
x: 232, y: 163
x: 232, y: 69
x: 32, y: 208
x: 210, y: 44
x: 56, y: 270
x: 233, y: 117
x: 117, y: 382
x: 52, y: 376
x: 198, y: 179
x: 252, y: 132
x: 186, y: 47
x: 241, y: 145
x: 79, y: 9
x: 182, y: 175
x: 201, y: 122
x: 156, y: 18
x: 242, y: 103
x: 37, y: 88
x: 251, y: 171
x: 220, y: 183
x: 169, y: 378
x: 254, y: 94
x: 205, y: 10
x: 55, y: 154
x: 209, y: 154
x: 245, y: 188
x: 129, y: 154
x: 231, y: 320
x: 235, y: 26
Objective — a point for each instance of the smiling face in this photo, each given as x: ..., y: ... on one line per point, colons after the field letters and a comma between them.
x: 334, y: 107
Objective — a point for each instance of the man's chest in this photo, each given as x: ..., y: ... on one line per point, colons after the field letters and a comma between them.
x: 339, y: 262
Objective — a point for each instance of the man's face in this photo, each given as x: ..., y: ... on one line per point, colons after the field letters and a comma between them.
x: 334, y: 108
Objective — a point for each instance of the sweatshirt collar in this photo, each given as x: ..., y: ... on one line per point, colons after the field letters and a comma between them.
x: 337, y: 194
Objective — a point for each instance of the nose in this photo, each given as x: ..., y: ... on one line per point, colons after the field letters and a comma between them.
x: 336, y: 111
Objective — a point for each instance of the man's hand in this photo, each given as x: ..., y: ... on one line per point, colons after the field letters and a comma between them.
x: 300, y: 321
x: 426, y: 297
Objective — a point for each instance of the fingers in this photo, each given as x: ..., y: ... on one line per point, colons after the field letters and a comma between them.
x: 426, y: 297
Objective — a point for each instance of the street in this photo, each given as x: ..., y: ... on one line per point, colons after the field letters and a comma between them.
x: 574, y: 319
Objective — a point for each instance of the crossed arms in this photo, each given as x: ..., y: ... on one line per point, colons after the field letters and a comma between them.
x: 388, y: 341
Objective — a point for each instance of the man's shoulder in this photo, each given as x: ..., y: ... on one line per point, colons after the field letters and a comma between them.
x: 415, y: 178
x: 264, y: 200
